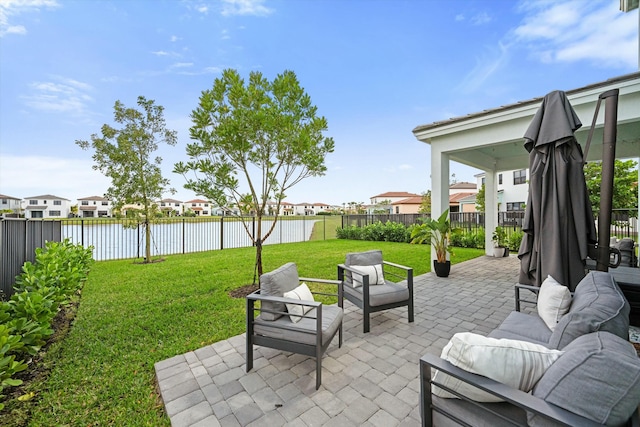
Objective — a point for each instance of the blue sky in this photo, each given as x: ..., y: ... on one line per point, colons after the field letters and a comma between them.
x: 375, y: 69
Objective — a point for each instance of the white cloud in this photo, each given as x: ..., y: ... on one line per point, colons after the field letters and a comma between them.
x: 245, y: 7
x: 405, y: 167
x: 61, y: 95
x: 481, y: 19
x: 597, y: 32
x: 571, y: 31
x: 182, y: 65
x: 12, y: 8
x: 486, y: 66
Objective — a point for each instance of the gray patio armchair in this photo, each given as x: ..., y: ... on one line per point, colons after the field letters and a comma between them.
x: 289, y: 324
x: 380, y: 285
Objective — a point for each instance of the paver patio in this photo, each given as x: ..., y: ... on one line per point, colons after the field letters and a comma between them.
x: 371, y: 381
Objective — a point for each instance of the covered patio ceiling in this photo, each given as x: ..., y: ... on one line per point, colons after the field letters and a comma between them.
x: 492, y: 140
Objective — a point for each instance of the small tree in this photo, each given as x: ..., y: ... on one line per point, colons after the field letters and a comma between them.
x: 425, y: 204
x: 480, y: 199
x: 125, y: 156
x: 265, y: 134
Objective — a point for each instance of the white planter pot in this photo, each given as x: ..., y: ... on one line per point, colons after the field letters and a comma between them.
x: 498, y: 252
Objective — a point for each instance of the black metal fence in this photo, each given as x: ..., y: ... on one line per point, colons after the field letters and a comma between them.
x: 19, y: 239
x: 624, y: 224
x: 116, y: 239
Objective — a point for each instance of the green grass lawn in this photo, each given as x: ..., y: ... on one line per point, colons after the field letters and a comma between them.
x: 131, y: 316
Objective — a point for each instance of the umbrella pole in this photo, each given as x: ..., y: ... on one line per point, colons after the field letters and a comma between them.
x: 606, y: 185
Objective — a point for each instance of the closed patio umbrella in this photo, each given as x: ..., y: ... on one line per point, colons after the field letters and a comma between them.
x: 558, y: 223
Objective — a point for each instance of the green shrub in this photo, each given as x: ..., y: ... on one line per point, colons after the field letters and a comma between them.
x: 515, y: 239
x: 9, y: 366
x: 52, y: 280
x: 376, y: 232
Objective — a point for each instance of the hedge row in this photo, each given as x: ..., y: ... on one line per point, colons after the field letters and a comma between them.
x: 397, y: 232
x: 42, y: 288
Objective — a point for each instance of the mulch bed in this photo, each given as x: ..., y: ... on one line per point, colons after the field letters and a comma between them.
x: 243, y: 291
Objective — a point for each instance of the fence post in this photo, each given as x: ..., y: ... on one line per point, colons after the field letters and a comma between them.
x: 184, y: 235
x: 222, y: 232
x: 138, y: 242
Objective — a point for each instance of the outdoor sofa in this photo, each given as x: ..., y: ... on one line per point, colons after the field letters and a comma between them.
x: 582, y: 371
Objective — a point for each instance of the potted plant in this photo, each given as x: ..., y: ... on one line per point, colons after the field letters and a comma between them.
x: 436, y: 232
x: 499, y: 238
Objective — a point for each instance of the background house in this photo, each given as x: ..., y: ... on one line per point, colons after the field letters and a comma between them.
x: 46, y: 206
x: 95, y: 207
x: 171, y: 207
x: 8, y: 203
x: 513, y: 188
x: 198, y: 206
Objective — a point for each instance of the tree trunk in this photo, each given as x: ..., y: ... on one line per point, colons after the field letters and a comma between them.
x: 147, y: 242
x: 259, y: 256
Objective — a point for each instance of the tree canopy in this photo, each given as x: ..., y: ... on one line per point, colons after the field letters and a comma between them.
x: 625, y: 185
x: 125, y: 155
x: 253, y: 141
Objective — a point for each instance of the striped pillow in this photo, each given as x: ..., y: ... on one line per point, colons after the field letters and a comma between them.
x: 375, y: 273
x: 518, y: 364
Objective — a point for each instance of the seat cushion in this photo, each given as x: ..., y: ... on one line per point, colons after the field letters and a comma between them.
x: 304, y: 330
x: 597, y: 377
x: 525, y: 327
x: 598, y: 305
x: 388, y: 293
x: 275, y: 284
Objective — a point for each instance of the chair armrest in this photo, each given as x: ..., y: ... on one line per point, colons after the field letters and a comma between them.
x: 326, y: 281
x: 519, y: 299
x: 516, y: 397
x: 337, y: 294
x: 404, y: 267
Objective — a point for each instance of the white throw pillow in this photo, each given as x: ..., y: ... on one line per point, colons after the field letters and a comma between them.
x: 518, y: 364
x: 554, y: 301
x: 301, y: 293
x: 375, y: 273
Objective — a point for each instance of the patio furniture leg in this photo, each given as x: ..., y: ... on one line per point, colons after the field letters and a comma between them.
x: 249, y: 356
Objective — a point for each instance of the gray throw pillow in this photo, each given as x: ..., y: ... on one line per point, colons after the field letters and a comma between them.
x: 598, y: 305
x: 275, y: 284
x: 597, y: 377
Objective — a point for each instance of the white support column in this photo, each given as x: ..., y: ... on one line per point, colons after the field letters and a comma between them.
x: 439, y: 185
x: 490, y: 209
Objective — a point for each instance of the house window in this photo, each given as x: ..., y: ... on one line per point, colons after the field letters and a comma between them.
x: 520, y: 177
x: 206, y: 205
x: 54, y: 213
x: 85, y: 203
x: 515, y: 206
x: 162, y: 204
x: 499, y: 178
x: 483, y: 180
x: 102, y: 213
x: 105, y: 203
x: 176, y: 204
x: 193, y: 204
x: 205, y: 212
x: 33, y: 202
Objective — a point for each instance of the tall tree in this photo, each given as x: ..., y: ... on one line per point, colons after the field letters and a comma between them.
x: 253, y: 141
x: 125, y: 156
x: 625, y: 185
